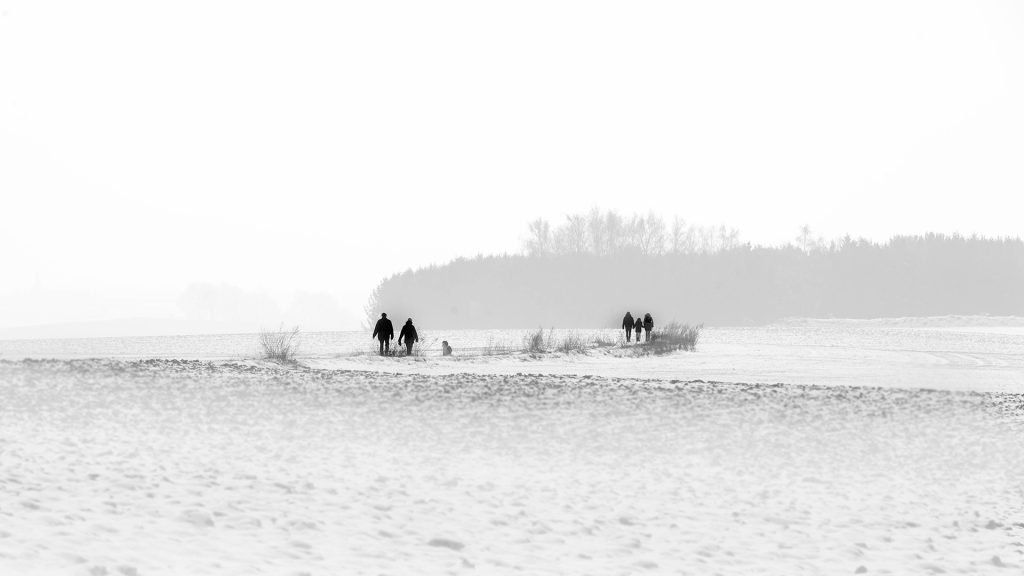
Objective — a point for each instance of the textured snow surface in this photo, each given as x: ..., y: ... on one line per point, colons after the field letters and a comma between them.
x: 174, y: 467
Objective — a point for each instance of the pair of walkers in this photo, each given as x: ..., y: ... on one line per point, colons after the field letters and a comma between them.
x: 646, y: 324
x: 384, y: 332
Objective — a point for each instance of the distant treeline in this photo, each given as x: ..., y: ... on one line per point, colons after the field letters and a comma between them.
x: 609, y: 233
x: 579, y: 276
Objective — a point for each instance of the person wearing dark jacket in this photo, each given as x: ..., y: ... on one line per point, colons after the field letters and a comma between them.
x: 409, y: 334
x: 627, y: 324
x: 638, y: 326
x: 648, y: 326
x: 384, y: 332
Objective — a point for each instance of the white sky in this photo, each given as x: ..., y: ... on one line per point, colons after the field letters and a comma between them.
x: 320, y: 146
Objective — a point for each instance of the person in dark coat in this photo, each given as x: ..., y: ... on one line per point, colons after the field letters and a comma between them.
x: 627, y: 324
x: 384, y: 332
x: 648, y: 326
x: 638, y: 326
x: 409, y: 334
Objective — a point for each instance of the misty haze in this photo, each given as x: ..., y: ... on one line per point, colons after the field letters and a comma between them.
x: 527, y: 288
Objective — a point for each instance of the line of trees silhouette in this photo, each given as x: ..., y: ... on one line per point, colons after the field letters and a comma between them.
x: 587, y: 271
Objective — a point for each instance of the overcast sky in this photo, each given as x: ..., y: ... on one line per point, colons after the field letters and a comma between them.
x: 317, y: 147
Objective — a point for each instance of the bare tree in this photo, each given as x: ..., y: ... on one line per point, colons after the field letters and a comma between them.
x: 559, y: 241
x: 650, y: 233
x: 728, y: 238
x: 597, y: 234
x: 807, y: 241
x: 676, y: 235
x: 540, y: 241
x: 575, y: 232
x: 615, y: 231
x: 803, y: 240
x: 691, y: 240
x: 705, y: 240
x: 656, y: 234
x: 633, y: 230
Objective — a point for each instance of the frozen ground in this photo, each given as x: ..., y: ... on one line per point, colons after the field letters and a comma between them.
x: 172, y: 467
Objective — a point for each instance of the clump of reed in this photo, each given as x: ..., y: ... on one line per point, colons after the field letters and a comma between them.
x: 573, y: 342
x: 537, y: 342
x: 673, y: 337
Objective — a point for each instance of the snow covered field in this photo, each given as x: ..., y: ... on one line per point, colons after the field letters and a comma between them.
x: 171, y: 467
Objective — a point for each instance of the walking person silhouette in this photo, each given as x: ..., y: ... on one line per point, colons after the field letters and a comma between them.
x: 409, y: 334
x: 627, y: 325
x: 384, y: 332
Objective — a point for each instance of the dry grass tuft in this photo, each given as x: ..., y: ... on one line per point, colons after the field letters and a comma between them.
x: 534, y: 342
x: 573, y: 342
x: 279, y: 346
x: 674, y: 336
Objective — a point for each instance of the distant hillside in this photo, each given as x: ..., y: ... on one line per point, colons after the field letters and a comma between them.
x: 928, y: 275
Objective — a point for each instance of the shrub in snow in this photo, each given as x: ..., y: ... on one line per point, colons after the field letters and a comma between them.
x: 280, y: 346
